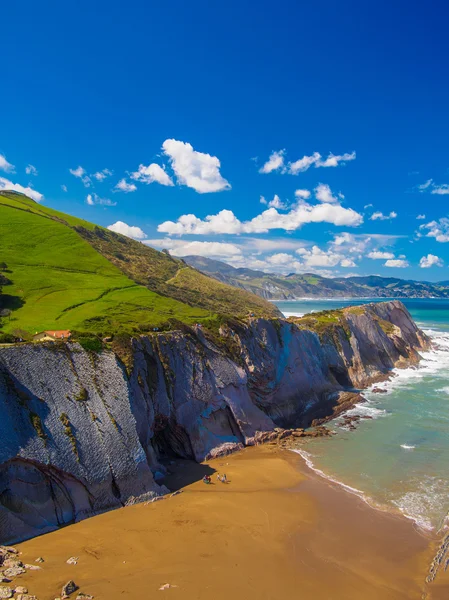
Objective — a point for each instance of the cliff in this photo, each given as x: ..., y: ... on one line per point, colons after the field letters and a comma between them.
x: 83, y: 433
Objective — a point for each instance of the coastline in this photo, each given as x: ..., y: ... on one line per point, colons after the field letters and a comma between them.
x: 275, y: 528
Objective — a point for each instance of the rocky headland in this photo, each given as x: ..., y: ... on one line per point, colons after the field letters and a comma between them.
x: 85, y: 432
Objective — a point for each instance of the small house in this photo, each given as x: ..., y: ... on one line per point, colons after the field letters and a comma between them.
x: 52, y: 336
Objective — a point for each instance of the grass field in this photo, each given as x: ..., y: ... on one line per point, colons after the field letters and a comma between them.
x: 67, y: 273
x: 64, y: 283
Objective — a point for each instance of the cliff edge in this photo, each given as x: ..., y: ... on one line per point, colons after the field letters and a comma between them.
x: 83, y: 433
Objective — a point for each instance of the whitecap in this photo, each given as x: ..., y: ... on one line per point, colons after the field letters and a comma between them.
x: 408, y: 447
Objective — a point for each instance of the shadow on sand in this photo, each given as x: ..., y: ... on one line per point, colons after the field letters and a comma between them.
x: 183, y: 472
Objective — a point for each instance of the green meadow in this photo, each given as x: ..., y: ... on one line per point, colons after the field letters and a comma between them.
x: 60, y: 282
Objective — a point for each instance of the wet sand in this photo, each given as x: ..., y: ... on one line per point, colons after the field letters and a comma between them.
x: 276, y: 530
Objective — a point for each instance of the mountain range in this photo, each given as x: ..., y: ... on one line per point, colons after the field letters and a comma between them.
x: 310, y: 285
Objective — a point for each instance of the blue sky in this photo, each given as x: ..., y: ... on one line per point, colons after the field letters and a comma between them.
x: 135, y: 115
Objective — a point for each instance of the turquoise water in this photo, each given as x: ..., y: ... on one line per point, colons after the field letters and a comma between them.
x: 398, y: 459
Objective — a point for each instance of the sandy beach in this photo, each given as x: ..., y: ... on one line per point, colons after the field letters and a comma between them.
x: 276, y: 530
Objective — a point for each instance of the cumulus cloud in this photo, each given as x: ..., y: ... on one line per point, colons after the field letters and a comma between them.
x: 434, y: 188
x: 323, y: 193
x: 92, y: 199
x: 64, y: 188
x: 379, y: 216
x: 226, y: 222
x: 101, y: 175
x: 333, y: 160
x: 302, y: 194
x: 397, y: 262
x: 442, y: 189
x: 5, y: 184
x: 274, y: 163
x: 80, y: 173
x: 130, y: 231
x: 5, y: 165
x: 275, y: 203
x: 362, y: 244
x: 30, y: 170
x: 303, y: 164
x: 124, y: 186
x: 208, y: 249
x: 376, y: 255
x: 316, y: 257
x: 430, y: 261
x: 420, y: 217
x: 194, y: 169
x: 436, y: 229
x: 348, y: 262
x: 152, y: 173
x: 424, y: 186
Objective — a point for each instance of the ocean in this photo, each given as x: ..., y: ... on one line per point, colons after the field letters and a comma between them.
x: 399, y: 459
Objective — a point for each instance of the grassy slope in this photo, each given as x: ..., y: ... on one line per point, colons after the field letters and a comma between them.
x: 171, y: 277
x: 64, y: 282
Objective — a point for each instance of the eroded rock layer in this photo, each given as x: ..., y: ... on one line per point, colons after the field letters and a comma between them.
x: 82, y: 434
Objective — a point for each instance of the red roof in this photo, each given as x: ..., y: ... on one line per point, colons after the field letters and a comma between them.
x: 63, y: 333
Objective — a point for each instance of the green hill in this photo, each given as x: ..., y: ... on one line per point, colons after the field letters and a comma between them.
x: 65, y: 273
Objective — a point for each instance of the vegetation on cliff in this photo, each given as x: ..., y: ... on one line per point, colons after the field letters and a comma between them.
x: 70, y: 274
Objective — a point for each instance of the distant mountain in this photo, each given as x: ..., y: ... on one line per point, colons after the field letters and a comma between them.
x: 286, y: 287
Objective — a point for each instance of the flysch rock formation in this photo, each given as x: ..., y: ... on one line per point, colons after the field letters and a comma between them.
x: 81, y: 434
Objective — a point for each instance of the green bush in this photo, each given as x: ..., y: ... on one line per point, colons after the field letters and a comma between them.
x: 7, y: 338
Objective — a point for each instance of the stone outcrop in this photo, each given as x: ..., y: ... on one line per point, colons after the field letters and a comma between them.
x: 83, y: 434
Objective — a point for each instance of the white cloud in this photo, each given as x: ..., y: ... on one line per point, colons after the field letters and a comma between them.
x: 323, y: 193
x: 379, y: 216
x: 130, y: 231
x: 226, y: 222
x: 92, y: 199
x: 5, y: 184
x: 207, y: 249
x: 420, y: 217
x: 275, y: 203
x: 152, y: 173
x: 348, y: 262
x: 101, y: 175
x: 367, y: 206
x: 316, y: 257
x: 261, y: 245
x: 64, y: 188
x: 274, y: 163
x: 376, y: 255
x: 436, y: 229
x: 303, y: 164
x: 399, y: 263
x: 333, y: 160
x: 280, y: 258
x: 30, y: 170
x: 124, y: 186
x: 80, y: 173
x: 5, y: 165
x: 425, y: 186
x: 302, y: 194
x: 360, y: 245
x: 430, y: 261
x: 442, y: 189
x: 194, y: 169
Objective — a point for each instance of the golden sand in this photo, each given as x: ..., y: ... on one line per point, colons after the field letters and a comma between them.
x: 275, y: 531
